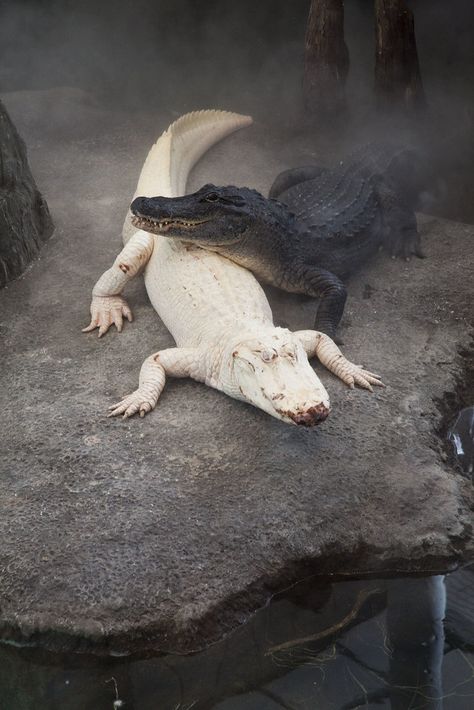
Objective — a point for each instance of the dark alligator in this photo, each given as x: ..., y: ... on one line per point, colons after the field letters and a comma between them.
x: 324, y: 225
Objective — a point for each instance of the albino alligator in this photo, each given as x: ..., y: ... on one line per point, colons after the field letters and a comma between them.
x: 331, y: 222
x: 216, y: 310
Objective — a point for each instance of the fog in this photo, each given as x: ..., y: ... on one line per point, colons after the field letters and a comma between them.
x: 172, y: 57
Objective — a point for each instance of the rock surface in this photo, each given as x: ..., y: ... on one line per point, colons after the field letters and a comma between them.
x: 25, y: 223
x: 167, y: 532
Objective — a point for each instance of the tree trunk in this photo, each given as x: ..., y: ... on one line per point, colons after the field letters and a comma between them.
x: 25, y: 222
x: 397, y: 70
x: 326, y: 58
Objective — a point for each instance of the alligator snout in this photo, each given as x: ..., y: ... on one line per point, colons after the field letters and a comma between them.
x: 310, y: 417
x: 149, y: 207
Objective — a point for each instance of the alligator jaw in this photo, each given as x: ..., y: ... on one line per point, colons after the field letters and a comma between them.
x: 309, y: 417
x: 155, y: 226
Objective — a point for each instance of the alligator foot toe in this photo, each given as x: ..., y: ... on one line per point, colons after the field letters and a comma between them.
x: 139, y: 401
x: 354, y: 375
x: 405, y: 244
x: 108, y: 310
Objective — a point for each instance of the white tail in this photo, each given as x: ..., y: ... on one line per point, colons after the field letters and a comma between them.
x: 176, y: 151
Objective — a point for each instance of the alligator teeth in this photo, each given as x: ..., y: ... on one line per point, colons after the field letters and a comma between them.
x: 140, y: 221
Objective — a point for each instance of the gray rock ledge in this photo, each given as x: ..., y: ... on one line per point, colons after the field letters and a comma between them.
x: 166, y: 533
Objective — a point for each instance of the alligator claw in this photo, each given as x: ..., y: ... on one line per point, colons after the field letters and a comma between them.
x: 137, y: 402
x: 404, y: 245
x: 108, y: 310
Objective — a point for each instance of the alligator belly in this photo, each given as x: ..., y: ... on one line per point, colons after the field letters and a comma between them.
x: 197, y: 293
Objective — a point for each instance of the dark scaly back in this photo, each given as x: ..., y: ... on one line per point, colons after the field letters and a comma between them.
x: 340, y: 202
x: 344, y: 200
x: 341, y: 214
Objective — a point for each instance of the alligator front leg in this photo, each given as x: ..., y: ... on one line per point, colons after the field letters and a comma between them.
x: 324, y: 285
x: 107, y: 305
x: 320, y: 345
x: 176, y: 362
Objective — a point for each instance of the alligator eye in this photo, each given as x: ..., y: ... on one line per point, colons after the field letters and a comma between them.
x: 250, y: 364
x: 212, y: 197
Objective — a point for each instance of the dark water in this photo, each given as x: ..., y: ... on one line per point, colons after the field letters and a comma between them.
x: 404, y: 644
x: 358, y: 644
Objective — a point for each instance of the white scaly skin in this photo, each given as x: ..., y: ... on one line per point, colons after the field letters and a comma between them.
x: 216, y: 311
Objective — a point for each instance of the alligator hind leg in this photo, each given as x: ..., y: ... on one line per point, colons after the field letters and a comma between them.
x: 326, y: 350
x: 176, y: 362
x: 294, y: 176
x: 400, y: 230
x: 324, y: 285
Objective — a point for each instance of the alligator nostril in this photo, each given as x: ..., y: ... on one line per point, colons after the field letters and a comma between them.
x: 138, y: 205
x: 312, y: 416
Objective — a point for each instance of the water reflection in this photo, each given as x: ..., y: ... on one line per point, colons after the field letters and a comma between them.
x: 415, y: 613
x: 358, y: 644
x: 461, y: 435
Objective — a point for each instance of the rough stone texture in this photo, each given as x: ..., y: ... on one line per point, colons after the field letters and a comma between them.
x: 167, y: 532
x: 25, y: 222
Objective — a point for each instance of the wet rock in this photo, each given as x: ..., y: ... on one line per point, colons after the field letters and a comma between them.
x: 461, y: 437
x: 25, y: 222
x: 169, y: 531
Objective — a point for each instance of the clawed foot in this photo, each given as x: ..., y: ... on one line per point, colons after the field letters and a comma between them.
x: 106, y: 310
x: 354, y: 375
x: 403, y: 244
x: 138, y: 401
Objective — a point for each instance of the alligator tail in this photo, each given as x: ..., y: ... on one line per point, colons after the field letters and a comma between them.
x: 171, y: 159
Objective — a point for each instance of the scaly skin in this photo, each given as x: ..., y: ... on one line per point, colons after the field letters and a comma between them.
x: 324, y: 226
x: 216, y: 310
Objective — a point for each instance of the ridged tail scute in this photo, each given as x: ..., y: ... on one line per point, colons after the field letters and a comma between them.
x: 177, y: 150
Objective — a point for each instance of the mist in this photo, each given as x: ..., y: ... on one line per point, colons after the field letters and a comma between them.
x: 167, y: 533
x: 151, y: 59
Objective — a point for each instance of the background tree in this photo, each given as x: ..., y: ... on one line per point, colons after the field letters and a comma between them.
x: 326, y: 58
x: 397, y: 70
